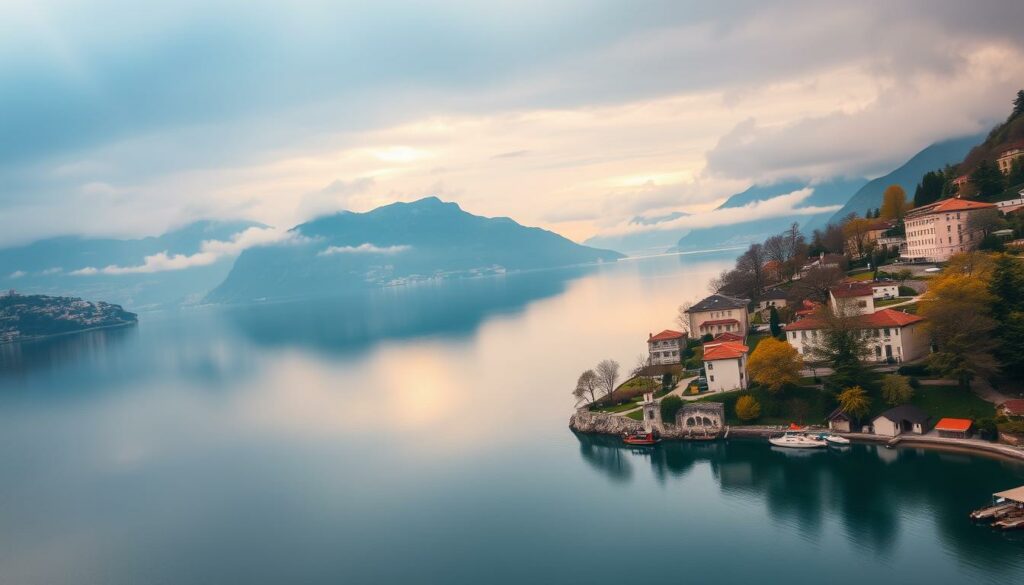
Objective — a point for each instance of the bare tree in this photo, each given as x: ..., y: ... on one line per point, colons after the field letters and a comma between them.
x: 815, y: 284
x: 641, y: 371
x: 607, y: 376
x: 751, y: 263
x: 682, y: 318
x: 586, y: 385
x: 985, y: 221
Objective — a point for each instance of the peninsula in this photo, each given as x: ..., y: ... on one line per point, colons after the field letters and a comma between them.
x: 26, y: 317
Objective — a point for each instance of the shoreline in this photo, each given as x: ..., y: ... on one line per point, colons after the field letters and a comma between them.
x: 68, y: 333
x: 969, y: 446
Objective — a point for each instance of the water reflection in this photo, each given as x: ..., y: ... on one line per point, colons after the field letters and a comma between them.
x: 354, y: 322
x: 874, y: 492
x: 19, y: 359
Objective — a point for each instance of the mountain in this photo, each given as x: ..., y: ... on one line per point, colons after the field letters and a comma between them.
x: 642, y: 243
x: 824, y: 194
x: 48, y: 266
x: 908, y: 175
x: 395, y: 244
x: 24, y: 317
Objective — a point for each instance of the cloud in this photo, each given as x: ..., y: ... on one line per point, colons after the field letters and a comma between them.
x: 18, y: 274
x: 783, y: 205
x: 52, y: 271
x: 210, y: 251
x: 364, y: 249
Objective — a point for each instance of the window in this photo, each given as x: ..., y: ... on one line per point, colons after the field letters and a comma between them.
x: 793, y: 334
x: 711, y: 366
x: 862, y: 304
x: 712, y: 378
x: 887, y: 333
x: 803, y: 335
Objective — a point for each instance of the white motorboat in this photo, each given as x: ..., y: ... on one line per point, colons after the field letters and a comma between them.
x: 797, y: 440
x: 836, y: 440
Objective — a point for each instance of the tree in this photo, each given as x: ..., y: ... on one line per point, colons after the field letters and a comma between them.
x: 607, y: 376
x: 930, y: 189
x: 751, y: 264
x: 896, y: 390
x: 670, y: 405
x: 1016, y: 174
x: 987, y: 179
x: 957, y: 307
x: 683, y: 318
x: 586, y: 385
x: 985, y: 221
x: 774, y: 364
x: 1007, y: 288
x: 855, y: 402
x: 840, y: 342
x: 856, y: 231
x: 894, y: 203
x: 815, y: 284
x: 829, y: 241
x: 1018, y: 104
x: 641, y: 373
x: 747, y: 408
x: 903, y: 275
x: 773, y: 322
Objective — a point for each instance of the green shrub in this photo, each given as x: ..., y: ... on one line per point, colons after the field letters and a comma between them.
x: 987, y: 428
x: 914, y: 383
x: 670, y: 405
x: 906, y: 291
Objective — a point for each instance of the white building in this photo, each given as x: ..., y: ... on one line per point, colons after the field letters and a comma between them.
x: 666, y: 348
x: 725, y: 364
x: 891, y: 335
x: 856, y: 297
x: 773, y: 297
x: 939, y: 230
x: 719, y: 314
x: 885, y: 289
x: 901, y: 419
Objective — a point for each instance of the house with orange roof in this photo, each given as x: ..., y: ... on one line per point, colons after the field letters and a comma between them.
x: 954, y: 428
x: 666, y: 348
x: 725, y: 364
x: 892, y: 335
x: 939, y: 230
x: 852, y: 297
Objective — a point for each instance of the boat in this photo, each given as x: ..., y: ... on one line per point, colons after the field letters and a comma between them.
x: 834, y: 440
x: 641, y: 439
x: 992, y: 512
x: 796, y: 438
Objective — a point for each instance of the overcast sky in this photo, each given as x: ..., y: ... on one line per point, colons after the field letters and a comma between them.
x: 129, y: 118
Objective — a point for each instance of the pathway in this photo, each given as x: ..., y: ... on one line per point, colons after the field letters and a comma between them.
x: 677, y: 391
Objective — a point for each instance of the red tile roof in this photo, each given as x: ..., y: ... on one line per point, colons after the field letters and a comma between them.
x: 727, y: 336
x: 951, y: 204
x: 719, y: 322
x: 1014, y: 406
x: 849, y: 290
x: 666, y: 335
x: 959, y: 425
x: 726, y: 350
x: 880, y: 318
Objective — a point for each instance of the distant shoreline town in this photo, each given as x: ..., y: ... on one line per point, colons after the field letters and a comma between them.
x: 34, y: 317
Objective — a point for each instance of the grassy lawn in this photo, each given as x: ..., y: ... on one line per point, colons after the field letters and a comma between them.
x: 799, y: 404
x: 887, y: 302
x: 862, y: 276
x: 638, y: 415
x: 911, y: 308
x: 943, y: 401
x: 754, y: 339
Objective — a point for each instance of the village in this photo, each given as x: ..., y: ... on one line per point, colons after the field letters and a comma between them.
x: 866, y: 341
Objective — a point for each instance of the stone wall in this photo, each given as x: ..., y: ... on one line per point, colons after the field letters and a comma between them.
x: 585, y: 421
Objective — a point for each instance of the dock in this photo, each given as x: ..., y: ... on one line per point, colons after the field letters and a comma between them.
x: 1006, y: 511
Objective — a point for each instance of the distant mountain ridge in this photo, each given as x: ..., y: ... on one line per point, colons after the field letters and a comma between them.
x: 824, y: 194
x: 396, y: 244
x: 47, y: 266
x: 908, y: 175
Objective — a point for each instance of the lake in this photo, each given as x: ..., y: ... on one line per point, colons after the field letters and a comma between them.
x: 419, y: 435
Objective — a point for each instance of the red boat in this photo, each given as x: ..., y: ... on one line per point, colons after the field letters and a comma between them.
x: 641, y: 439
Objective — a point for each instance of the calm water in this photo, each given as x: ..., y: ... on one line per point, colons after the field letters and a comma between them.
x: 419, y: 435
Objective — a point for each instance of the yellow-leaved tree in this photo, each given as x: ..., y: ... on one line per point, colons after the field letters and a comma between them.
x: 894, y: 203
x: 774, y: 364
x: 747, y: 408
x: 854, y: 401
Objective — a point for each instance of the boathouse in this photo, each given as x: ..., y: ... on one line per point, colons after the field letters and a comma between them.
x: 701, y: 418
x: 906, y: 418
x: 841, y: 422
x: 954, y: 428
